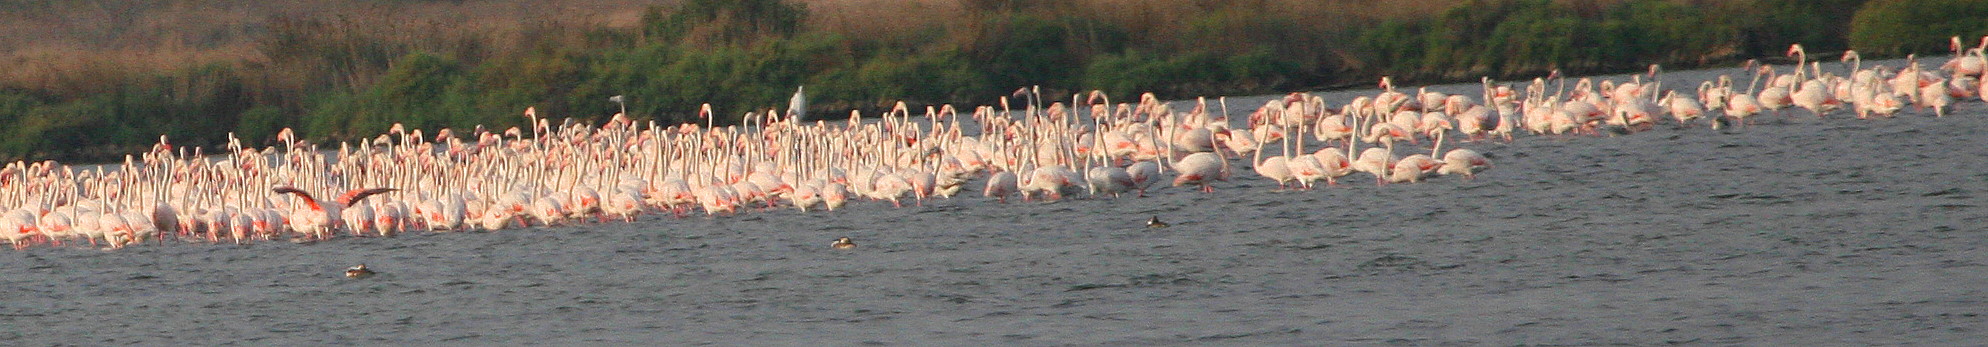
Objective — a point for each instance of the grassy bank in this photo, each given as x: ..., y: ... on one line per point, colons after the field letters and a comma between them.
x: 120, y: 74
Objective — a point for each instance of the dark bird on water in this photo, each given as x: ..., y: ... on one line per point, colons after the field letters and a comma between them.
x: 843, y: 243
x: 358, y: 271
x: 1155, y: 223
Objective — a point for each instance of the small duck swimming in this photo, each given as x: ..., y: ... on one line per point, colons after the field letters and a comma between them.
x: 1156, y: 223
x: 358, y: 271
x: 843, y: 243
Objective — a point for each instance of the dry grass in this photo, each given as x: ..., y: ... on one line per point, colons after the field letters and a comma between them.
x: 48, y: 43
x: 1146, y: 22
x: 882, y: 18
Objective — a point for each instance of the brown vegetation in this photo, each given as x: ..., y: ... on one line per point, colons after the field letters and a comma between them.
x: 120, y: 72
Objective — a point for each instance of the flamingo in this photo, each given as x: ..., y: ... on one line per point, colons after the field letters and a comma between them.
x: 1715, y: 96
x: 240, y: 228
x: 1376, y: 161
x: 834, y: 195
x: 1463, y: 161
x: 446, y: 213
x: 1276, y: 169
x: 1871, y: 99
x: 807, y: 195
x: 57, y: 226
x: 1774, y: 97
x: 89, y: 223
x: 1967, y: 61
x: 1109, y: 180
x: 1201, y: 169
x: 1684, y: 109
x: 1982, y: 94
x: 1740, y: 106
x: 117, y: 232
x: 1961, y: 87
x: 1334, y: 163
x: 1935, y: 95
x: 18, y: 226
x: 389, y: 218
x: 496, y: 218
x: 1002, y: 185
x: 1307, y: 170
x: 626, y: 203
x: 358, y: 219
x: 1050, y: 181
x: 1143, y: 174
x: 1333, y: 127
x: 890, y: 186
x: 1197, y: 140
x: 585, y: 202
x: 1476, y: 121
x: 1412, y: 168
x: 1388, y: 133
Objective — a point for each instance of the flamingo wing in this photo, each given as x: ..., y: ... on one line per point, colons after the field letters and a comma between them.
x: 355, y: 195
x: 308, y: 200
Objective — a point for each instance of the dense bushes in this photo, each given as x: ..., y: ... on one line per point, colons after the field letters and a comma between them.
x: 1512, y: 38
x: 339, y: 77
x: 194, y: 105
x: 1894, y: 27
x: 1193, y: 73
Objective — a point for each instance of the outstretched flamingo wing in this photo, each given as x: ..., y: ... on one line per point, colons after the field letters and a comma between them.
x: 355, y: 195
x: 308, y: 200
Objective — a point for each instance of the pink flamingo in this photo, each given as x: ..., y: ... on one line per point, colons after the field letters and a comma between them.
x: 1463, y: 161
x: 1201, y: 169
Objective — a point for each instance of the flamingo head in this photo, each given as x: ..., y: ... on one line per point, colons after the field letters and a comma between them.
x: 444, y: 135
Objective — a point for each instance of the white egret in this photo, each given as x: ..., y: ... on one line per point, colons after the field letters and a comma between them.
x: 797, y: 107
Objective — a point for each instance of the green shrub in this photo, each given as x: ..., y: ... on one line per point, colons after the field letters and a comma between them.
x: 1897, y: 27
x: 414, y: 91
x: 1186, y: 74
x: 1024, y: 50
x: 258, y: 126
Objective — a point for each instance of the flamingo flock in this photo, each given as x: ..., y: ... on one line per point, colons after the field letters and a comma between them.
x: 574, y: 173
